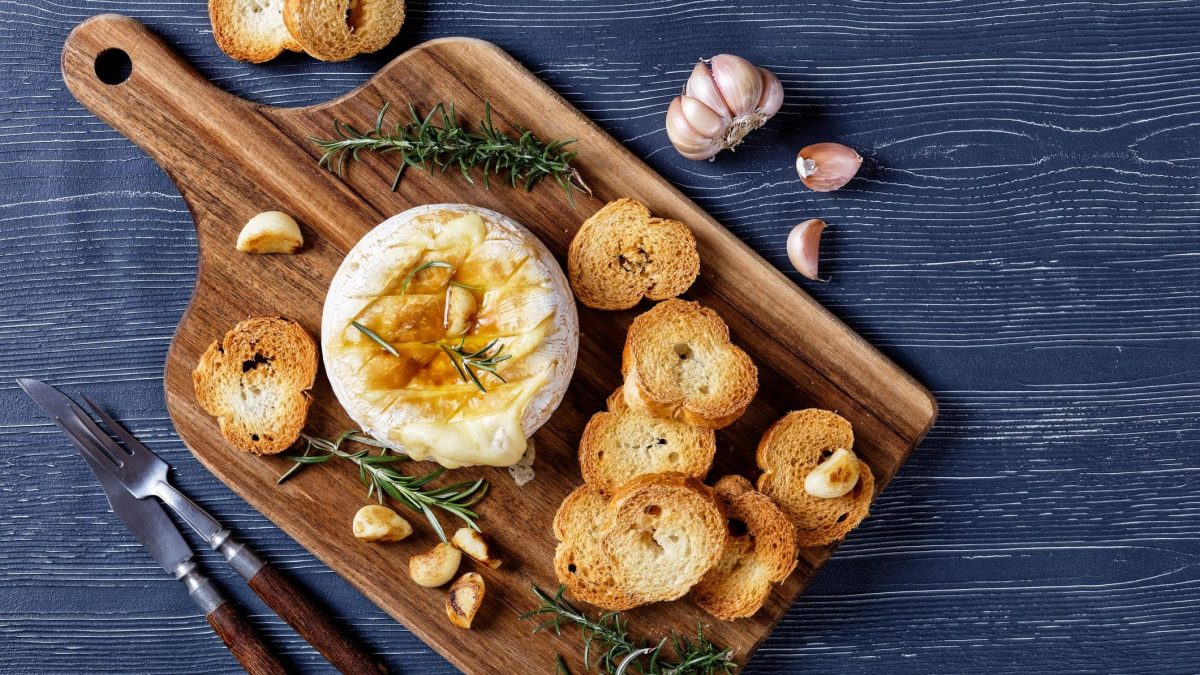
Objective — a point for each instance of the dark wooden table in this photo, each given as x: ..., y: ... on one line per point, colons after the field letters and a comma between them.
x: 1023, y: 238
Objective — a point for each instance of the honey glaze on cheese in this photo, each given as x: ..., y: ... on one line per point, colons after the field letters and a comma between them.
x: 448, y: 281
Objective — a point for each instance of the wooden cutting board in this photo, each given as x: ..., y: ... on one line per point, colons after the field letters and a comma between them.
x: 232, y: 159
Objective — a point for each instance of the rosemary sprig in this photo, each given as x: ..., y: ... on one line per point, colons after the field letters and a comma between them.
x: 381, y: 480
x: 467, y: 362
x: 438, y: 140
x: 431, y: 263
x: 610, y: 633
x: 387, y: 346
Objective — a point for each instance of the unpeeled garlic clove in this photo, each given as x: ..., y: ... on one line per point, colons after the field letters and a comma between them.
x: 835, y: 477
x: 803, y: 244
x: 825, y: 167
x: 738, y: 81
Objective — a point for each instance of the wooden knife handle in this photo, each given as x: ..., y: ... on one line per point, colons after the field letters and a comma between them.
x: 312, y: 624
x: 242, y: 641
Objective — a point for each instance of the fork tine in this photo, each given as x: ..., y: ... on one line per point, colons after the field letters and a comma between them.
x: 122, y: 433
x: 99, y: 446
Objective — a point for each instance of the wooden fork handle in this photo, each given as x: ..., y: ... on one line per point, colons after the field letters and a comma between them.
x: 311, y: 623
x: 242, y: 641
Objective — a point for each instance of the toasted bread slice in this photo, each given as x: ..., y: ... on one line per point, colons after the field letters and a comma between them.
x: 250, y: 30
x: 664, y: 532
x: 678, y: 362
x: 624, y: 443
x: 760, y: 551
x: 336, y: 30
x: 792, y: 448
x: 580, y: 562
x: 622, y: 254
x: 255, y: 382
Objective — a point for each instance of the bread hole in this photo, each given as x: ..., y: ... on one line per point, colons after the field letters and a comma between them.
x: 572, y: 568
x: 254, y: 437
x: 703, y: 389
x: 737, y: 528
x: 113, y: 66
x: 653, y: 510
x: 825, y: 454
x: 251, y: 364
x: 673, y: 457
x: 843, y: 517
x: 354, y: 15
x: 662, y: 441
x: 599, y: 454
x: 683, y: 351
x: 649, y: 542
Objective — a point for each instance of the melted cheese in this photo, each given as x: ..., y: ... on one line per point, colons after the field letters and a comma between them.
x: 489, y: 277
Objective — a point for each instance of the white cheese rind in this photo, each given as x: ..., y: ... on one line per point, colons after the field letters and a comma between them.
x: 496, y: 439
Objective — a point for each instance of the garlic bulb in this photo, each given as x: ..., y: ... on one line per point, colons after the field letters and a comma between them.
x: 802, y: 245
x: 720, y: 106
x: 825, y: 167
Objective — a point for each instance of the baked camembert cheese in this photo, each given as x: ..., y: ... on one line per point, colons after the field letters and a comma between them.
x: 449, y: 331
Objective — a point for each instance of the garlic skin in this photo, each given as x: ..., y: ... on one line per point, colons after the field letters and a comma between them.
x: 720, y: 105
x: 802, y: 245
x: 825, y: 167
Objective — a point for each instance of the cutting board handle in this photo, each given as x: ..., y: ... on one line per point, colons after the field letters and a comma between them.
x: 131, y: 79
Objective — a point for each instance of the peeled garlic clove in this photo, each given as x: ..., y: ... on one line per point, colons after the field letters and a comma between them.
x: 460, y: 310
x: 689, y: 142
x: 739, y: 83
x: 835, y: 477
x: 772, y: 94
x: 701, y: 87
x: 825, y: 167
x: 802, y: 246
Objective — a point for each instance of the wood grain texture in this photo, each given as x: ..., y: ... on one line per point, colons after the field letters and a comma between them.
x: 245, y: 646
x: 232, y: 160
x: 1023, y: 239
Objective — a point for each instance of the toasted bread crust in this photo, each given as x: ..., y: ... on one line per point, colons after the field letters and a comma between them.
x: 624, y: 443
x: 793, y: 447
x: 336, y: 30
x: 663, y: 533
x: 580, y: 562
x: 738, y: 585
x: 622, y: 254
x: 256, y: 380
x: 711, y: 390
x: 248, y: 31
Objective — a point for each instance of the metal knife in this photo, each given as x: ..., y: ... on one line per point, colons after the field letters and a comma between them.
x: 154, y: 529
x: 143, y: 474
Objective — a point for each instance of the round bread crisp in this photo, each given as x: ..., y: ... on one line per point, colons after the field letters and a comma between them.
x: 579, y: 560
x: 336, y: 30
x: 678, y: 362
x: 256, y: 381
x: 419, y: 295
x: 624, y: 443
x: 760, y: 551
x: 664, y: 532
x: 622, y: 254
x: 250, y: 30
x: 792, y: 448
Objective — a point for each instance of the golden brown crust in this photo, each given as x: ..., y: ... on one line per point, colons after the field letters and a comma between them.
x: 250, y: 31
x: 622, y: 254
x: 256, y: 380
x: 663, y: 533
x: 623, y: 443
x: 336, y: 30
x: 580, y: 562
x: 793, y: 447
x: 764, y: 554
x: 678, y: 361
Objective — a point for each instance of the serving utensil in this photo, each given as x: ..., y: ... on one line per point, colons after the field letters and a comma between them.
x: 134, y: 473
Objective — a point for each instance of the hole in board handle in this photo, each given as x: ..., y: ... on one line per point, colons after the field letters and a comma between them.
x: 113, y: 66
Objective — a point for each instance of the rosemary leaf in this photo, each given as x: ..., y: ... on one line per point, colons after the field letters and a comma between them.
x: 431, y: 263
x: 438, y: 141
x: 380, y: 477
x: 610, y: 633
x: 387, y: 346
